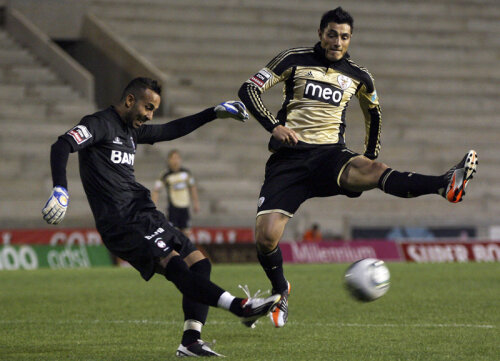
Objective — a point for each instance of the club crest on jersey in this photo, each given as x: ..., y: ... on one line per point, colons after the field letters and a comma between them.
x: 80, y: 134
x: 119, y: 157
x: 161, y: 244
x: 117, y: 141
x: 261, y: 201
x: 344, y: 81
x: 323, y: 92
x: 261, y: 78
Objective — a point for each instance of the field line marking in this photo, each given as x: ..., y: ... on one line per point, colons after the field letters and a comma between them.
x: 294, y: 323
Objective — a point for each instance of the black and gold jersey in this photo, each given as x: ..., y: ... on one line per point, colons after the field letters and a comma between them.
x: 316, y: 95
x: 178, y: 186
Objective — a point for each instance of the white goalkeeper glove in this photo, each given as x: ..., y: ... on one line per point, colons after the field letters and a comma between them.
x: 232, y: 109
x: 56, y: 206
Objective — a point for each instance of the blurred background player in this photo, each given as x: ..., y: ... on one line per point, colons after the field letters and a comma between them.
x: 310, y: 158
x: 181, y: 192
x: 312, y: 234
x: 130, y: 225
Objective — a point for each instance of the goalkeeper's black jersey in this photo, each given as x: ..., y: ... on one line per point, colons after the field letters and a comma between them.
x: 316, y: 94
x: 106, y: 152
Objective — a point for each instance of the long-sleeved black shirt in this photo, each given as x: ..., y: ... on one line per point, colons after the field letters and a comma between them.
x: 106, y: 149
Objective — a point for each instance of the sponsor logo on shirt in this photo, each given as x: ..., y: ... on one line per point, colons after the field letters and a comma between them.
x: 117, y: 140
x: 156, y: 233
x: 80, y: 134
x: 261, y: 78
x: 119, y: 157
x: 179, y: 186
x: 323, y: 92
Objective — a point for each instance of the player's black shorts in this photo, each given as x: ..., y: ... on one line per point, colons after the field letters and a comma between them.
x: 294, y: 175
x: 179, y: 217
x: 145, y: 239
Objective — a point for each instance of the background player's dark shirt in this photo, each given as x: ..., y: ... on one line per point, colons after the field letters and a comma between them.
x: 106, y: 151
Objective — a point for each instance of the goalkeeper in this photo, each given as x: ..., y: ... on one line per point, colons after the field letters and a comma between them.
x: 125, y: 215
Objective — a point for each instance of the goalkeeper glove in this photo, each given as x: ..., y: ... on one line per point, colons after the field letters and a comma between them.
x: 56, y: 206
x: 232, y: 109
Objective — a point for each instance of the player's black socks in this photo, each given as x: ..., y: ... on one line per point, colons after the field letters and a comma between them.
x: 195, y: 310
x: 191, y: 284
x: 272, y: 263
x: 236, y: 307
x: 190, y: 336
x: 409, y: 185
x: 195, y: 313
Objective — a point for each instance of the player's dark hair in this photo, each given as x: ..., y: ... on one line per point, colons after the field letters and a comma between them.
x: 339, y: 16
x: 139, y: 85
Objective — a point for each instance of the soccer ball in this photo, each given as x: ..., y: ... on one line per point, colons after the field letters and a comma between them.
x: 367, y: 279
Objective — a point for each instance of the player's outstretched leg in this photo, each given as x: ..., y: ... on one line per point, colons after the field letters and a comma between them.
x: 458, y: 177
x: 450, y: 185
x: 201, y: 290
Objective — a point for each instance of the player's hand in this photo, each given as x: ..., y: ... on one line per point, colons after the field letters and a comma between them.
x: 285, y: 135
x: 56, y: 206
x: 232, y: 109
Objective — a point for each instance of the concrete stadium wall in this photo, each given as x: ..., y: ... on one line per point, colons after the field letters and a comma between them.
x: 44, y: 48
x: 119, y: 56
x: 59, y: 19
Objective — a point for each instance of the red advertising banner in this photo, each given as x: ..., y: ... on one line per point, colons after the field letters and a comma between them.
x: 451, y: 251
x: 56, y: 236
x: 90, y: 236
x: 218, y: 235
x: 339, y: 252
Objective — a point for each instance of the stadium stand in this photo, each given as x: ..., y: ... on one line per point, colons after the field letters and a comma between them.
x: 436, y: 69
x: 36, y: 105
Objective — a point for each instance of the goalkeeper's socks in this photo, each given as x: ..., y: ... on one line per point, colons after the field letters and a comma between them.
x: 192, y: 284
x: 199, y: 288
x: 272, y: 263
x: 195, y: 310
x: 409, y: 185
x: 192, y: 332
x: 231, y: 303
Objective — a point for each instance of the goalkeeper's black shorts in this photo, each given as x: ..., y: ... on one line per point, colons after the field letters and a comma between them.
x: 295, y: 175
x: 145, y: 240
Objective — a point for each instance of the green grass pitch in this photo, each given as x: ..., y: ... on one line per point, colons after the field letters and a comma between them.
x: 431, y: 312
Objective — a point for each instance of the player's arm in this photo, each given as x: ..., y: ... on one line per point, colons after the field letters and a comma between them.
x: 55, y: 209
x: 77, y: 138
x: 369, y: 102
x: 251, y: 91
x: 155, y: 194
x: 194, y: 195
x: 183, y: 126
